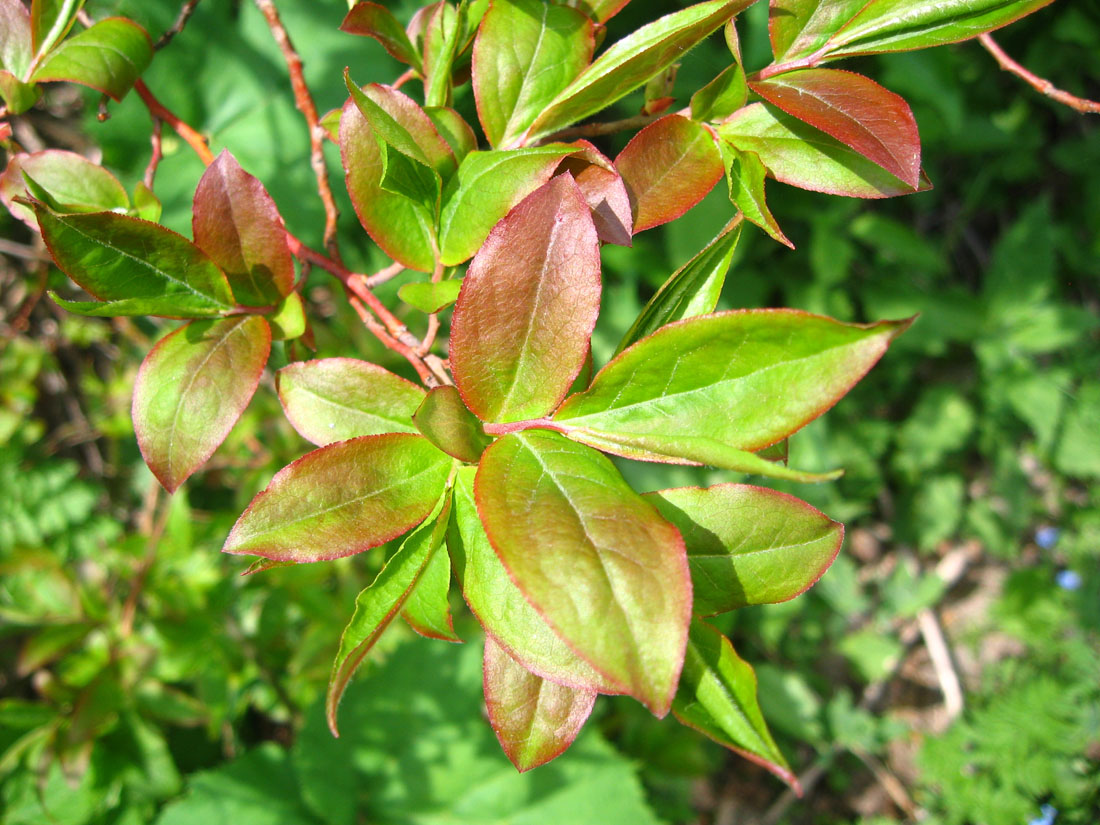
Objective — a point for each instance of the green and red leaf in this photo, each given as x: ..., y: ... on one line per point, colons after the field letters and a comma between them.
x: 376, y: 21
x: 745, y: 174
x: 599, y: 10
x: 604, y: 190
x: 444, y: 420
x: 528, y: 306
x: 191, y: 389
x: 73, y: 182
x: 108, y: 57
x: 427, y: 610
x: 800, y: 27
x: 16, y: 42
x: 722, y: 96
x: 50, y: 20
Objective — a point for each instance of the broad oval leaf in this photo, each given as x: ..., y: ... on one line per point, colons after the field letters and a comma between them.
x: 238, y: 225
x: 527, y: 308
x: 800, y: 27
x: 745, y: 174
x: 526, y: 52
x: 73, y: 181
x: 115, y: 257
x: 444, y: 420
x: 717, y: 697
x: 596, y: 560
x: 375, y: 20
x: 534, y: 720
x: 707, y: 376
x: 748, y: 545
x: 343, y: 499
x: 668, y: 167
x: 108, y: 57
x: 603, y: 188
x: 334, y: 399
x: 632, y: 61
x: 427, y: 609
x: 16, y: 47
x: 502, y: 609
x: 379, y: 602
x: 856, y: 111
x: 804, y: 156
x: 50, y: 20
x: 191, y: 389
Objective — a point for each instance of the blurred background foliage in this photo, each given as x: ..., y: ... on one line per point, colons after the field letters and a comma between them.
x: 144, y: 680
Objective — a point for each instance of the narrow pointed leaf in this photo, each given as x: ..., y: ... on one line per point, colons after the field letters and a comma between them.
x: 237, y: 224
x: 597, y: 562
x: 379, y: 602
x: 800, y: 27
x: 527, y: 308
x: 804, y: 156
x: 501, y: 607
x: 722, y: 96
x: 668, y: 167
x: 717, y: 697
x: 334, y: 399
x: 704, y: 377
x: 444, y: 420
x: 442, y: 33
x: 375, y: 20
x: 691, y: 290
x: 50, y: 20
x: 427, y: 610
x: 172, y: 306
x: 430, y: 297
x: 342, y: 499
x: 108, y: 57
x: 856, y: 111
x: 526, y: 52
x: 115, y: 257
x: 745, y: 174
x: 599, y: 10
x: 74, y: 183
x: 534, y: 720
x: 748, y: 545
x: 603, y: 188
x: 634, y: 60
x: 191, y: 389
x: 16, y: 46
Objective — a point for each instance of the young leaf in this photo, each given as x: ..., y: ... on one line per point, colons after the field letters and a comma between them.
x: 704, y: 377
x: 444, y: 420
x: 800, y: 27
x: 527, y: 307
x: 427, y: 609
x: 856, y: 111
x: 400, y: 122
x: 486, y: 187
x: 430, y: 296
x: 691, y: 290
x: 597, y: 562
x: 668, y: 167
x: 534, y: 720
x: 108, y: 57
x: 374, y: 20
x: 745, y: 174
x: 526, y: 52
x: 604, y: 190
x: 288, y: 321
x: 379, y: 602
x: 147, y: 205
x: 16, y: 45
x: 502, y: 609
x: 748, y: 545
x: 17, y: 95
x: 804, y: 156
x: 343, y: 499
x: 453, y: 129
x: 599, y: 10
x: 73, y: 182
x: 443, y: 30
x: 717, y: 697
x: 191, y: 389
x: 632, y: 61
x: 115, y: 257
x: 722, y: 96
x: 334, y: 399
x: 51, y: 20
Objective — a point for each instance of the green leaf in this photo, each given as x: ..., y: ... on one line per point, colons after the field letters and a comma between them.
x: 444, y: 420
x: 526, y: 53
x: 486, y: 187
x: 108, y: 57
x: 745, y: 174
x: 428, y: 296
x: 379, y: 602
x: 527, y: 308
x: 599, y: 10
x: 748, y: 545
x: 191, y: 389
x: 717, y: 697
x: 50, y: 21
x: 343, y: 499
x: 17, y: 95
x: 334, y: 399
x: 632, y: 61
x: 442, y: 33
x: 73, y: 182
x: 288, y: 321
x: 427, y: 609
x: 704, y: 377
x: 164, y: 307
x: 375, y: 20
x: 722, y: 96
x: 147, y: 205
x: 115, y: 257
x: 501, y: 608
x: 237, y: 224
x: 1078, y: 451
x: 535, y: 720
x: 49, y: 644
x: 564, y: 522
x: 800, y: 27
x: 453, y: 129
x: 16, y: 42
x: 691, y: 290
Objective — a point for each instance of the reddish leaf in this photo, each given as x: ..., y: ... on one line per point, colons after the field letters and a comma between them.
x: 192, y: 388
x: 668, y: 167
x: 237, y: 224
x: 535, y: 720
x: 856, y: 111
x: 374, y: 20
x: 604, y: 190
x: 528, y: 306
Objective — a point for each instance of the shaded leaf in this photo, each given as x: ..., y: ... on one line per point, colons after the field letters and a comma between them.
x: 453, y: 129
x: 17, y: 95
x: 50, y: 20
x: 288, y: 321
x: 745, y: 174
x: 430, y: 296
x: 191, y: 389
x: 147, y: 205
x: 108, y: 57
x: 427, y: 608
x: 73, y: 182
x: 722, y: 96
x: 375, y: 20
x: 444, y: 420
x: 603, y: 188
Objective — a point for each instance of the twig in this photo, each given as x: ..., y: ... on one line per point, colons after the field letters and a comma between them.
x: 304, y: 101
x: 586, y: 130
x: 942, y: 662
x: 889, y: 782
x: 192, y: 138
x: 404, y: 78
x: 1040, y: 84
x: 383, y: 275
x: 158, y: 153
x: 181, y: 20
x: 18, y: 250
x: 390, y: 342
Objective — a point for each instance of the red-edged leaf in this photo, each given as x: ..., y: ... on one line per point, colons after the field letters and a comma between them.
x: 444, y: 420
x: 527, y: 308
x: 856, y: 111
x: 16, y: 46
x: 745, y: 174
x: 374, y: 20
x: 603, y: 188
x: 73, y: 182
x: 800, y: 27
x: 108, y: 57
x: 599, y: 10
x: 237, y: 224
x: 427, y: 609
x: 398, y: 119
x: 191, y: 389
x: 343, y: 499
x: 595, y: 559
x: 535, y: 720
x: 668, y: 167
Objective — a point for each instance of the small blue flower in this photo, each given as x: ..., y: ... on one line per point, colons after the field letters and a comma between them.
x: 1068, y: 580
x: 1047, y: 815
x: 1047, y: 537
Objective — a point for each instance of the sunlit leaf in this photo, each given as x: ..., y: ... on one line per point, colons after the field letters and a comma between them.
x: 745, y: 174
x: 722, y: 96
x: 74, y: 183
x: 288, y: 321
x: 375, y: 20
x: 50, y: 21
x: 444, y: 420
x: 599, y: 10
x: 427, y: 608
x: 453, y: 129
x: 430, y: 296
x: 603, y: 188
x: 108, y: 57
x: 800, y: 27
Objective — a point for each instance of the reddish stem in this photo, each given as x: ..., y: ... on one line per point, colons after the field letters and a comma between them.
x: 154, y: 160
x: 1040, y: 84
x: 193, y: 139
x: 390, y: 342
x: 808, y: 62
